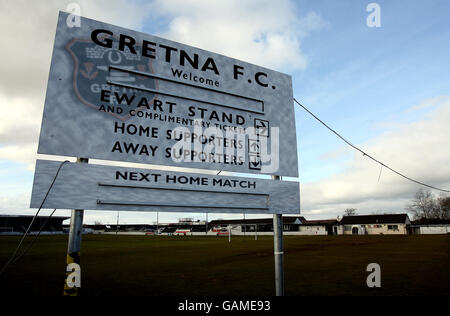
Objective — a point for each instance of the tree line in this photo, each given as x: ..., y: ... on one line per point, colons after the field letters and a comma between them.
x: 424, y: 206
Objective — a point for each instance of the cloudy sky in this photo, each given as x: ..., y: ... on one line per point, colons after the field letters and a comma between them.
x: 386, y: 89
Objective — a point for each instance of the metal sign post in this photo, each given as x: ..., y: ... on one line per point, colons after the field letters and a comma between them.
x: 278, y: 250
x: 74, y: 244
x: 245, y: 227
x: 157, y: 223
x: 117, y: 225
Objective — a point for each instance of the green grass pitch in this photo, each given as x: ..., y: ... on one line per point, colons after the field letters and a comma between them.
x: 211, y: 266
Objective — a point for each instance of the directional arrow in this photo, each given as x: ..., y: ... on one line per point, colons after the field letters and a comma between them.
x: 262, y: 127
x: 262, y: 131
x: 256, y: 163
x: 254, y: 146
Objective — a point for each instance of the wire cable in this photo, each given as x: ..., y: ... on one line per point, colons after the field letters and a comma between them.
x: 379, y: 176
x: 366, y: 154
x: 13, y: 256
x: 30, y: 245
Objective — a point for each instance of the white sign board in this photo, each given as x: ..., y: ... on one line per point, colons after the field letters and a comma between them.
x: 98, y: 187
x: 117, y: 94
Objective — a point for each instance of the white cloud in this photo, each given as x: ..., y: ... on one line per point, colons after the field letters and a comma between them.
x: 428, y: 103
x: 20, y: 121
x: 264, y: 32
x: 420, y: 150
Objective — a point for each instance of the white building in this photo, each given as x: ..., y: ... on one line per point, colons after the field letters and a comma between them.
x: 386, y: 224
x: 431, y: 226
x: 318, y: 227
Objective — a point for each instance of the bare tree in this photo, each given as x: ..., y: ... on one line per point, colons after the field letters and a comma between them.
x: 423, y: 205
x: 350, y: 212
x: 443, y: 207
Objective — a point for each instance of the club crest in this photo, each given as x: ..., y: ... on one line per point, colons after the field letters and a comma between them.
x: 98, y: 68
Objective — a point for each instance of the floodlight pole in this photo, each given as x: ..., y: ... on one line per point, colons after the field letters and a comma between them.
x: 278, y: 250
x: 74, y: 244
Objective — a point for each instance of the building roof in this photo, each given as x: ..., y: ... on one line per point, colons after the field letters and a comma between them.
x: 31, y: 216
x: 375, y: 219
x: 251, y: 221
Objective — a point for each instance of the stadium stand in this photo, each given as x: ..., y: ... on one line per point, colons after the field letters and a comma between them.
x: 20, y: 223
